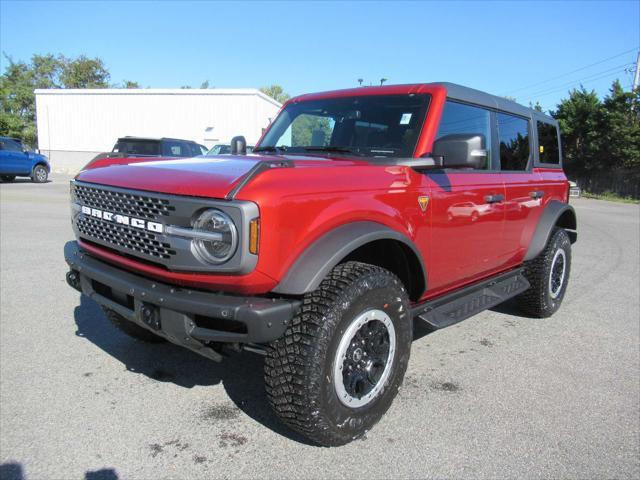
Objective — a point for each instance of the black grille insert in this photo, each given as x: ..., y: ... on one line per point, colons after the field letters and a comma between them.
x: 129, y: 238
x: 131, y: 204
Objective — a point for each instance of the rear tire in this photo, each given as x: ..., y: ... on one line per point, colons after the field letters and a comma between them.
x: 39, y: 174
x: 131, y: 329
x: 339, y: 365
x: 7, y: 178
x: 548, y: 275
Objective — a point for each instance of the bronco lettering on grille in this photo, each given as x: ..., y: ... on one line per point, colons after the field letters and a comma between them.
x: 122, y: 219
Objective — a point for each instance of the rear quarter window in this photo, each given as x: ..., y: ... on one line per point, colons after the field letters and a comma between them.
x: 548, y: 144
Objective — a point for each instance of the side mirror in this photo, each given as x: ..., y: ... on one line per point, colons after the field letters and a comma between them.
x: 461, y: 150
x: 238, y: 145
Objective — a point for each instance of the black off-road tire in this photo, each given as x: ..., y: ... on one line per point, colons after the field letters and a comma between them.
x: 539, y: 300
x: 39, y: 174
x: 7, y: 178
x: 131, y: 329
x: 299, y: 367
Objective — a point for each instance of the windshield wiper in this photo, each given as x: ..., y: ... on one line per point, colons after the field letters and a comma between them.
x: 331, y: 149
x: 271, y: 148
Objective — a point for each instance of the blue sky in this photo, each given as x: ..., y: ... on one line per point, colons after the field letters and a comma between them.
x: 506, y: 48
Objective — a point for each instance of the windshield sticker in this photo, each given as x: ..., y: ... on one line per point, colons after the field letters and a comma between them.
x: 405, y: 119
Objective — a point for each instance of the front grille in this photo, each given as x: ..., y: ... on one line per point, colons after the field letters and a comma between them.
x: 128, y: 238
x: 134, y: 205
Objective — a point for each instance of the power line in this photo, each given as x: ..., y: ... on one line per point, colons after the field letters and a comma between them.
x: 588, y: 77
x: 573, y: 83
x: 573, y: 71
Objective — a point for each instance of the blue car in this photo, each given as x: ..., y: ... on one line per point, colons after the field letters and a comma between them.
x: 16, y: 161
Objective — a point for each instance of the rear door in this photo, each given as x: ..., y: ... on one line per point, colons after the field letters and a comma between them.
x: 524, y: 187
x: 467, y: 207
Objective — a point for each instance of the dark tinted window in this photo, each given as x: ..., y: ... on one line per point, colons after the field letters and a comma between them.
x: 548, y: 143
x: 193, y: 149
x: 171, y: 148
x: 11, y: 145
x: 513, y: 134
x: 373, y: 126
x: 458, y: 118
x: 137, y: 147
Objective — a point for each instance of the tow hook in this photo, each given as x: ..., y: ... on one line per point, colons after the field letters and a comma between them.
x: 150, y: 315
x: 73, y: 279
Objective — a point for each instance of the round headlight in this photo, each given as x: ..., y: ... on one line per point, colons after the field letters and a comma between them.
x: 220, y: 239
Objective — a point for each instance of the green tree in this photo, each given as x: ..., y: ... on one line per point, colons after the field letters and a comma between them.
x: 130, y: 84
x: 621, y: 132
x: 20, y: 79
x: 276, y: 92
x: 581, y: 119
x: 84, y: 72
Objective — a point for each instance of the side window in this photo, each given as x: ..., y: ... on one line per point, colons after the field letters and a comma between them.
x: 12, y: 146
x: 191, y: 149
x: 458, y: 118
x: 513, y: 135
x: 172, y: 149
x: 548, y: 143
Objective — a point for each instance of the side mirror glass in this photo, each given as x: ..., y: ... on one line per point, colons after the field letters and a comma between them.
x: 462, y: 150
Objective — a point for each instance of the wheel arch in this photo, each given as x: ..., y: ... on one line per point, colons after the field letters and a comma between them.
x: 358, y: 241
x: 43, y: 163
x: 555, y: 214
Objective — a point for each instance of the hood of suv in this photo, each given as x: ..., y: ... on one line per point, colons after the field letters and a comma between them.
x: 211, y: 176
x: 185, y: 176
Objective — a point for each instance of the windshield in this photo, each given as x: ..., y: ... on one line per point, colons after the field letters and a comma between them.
x: 219, y: 150
x: 372, y: 126
x: 138, y: 147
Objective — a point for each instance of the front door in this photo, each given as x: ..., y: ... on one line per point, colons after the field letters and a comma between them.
x: 13, y: 160
x: 467, y: 223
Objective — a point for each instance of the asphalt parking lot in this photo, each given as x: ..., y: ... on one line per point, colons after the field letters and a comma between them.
x: 496, y: 396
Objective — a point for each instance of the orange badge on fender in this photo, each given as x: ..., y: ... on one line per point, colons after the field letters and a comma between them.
x: 423, y: 201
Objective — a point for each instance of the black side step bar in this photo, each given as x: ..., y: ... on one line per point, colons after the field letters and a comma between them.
x: 464, y: 303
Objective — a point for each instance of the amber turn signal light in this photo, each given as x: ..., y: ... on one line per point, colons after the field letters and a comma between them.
x: 254, y: 235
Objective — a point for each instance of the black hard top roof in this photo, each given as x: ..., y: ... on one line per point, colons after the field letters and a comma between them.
x: 152, y: 139
x: 471, y: 95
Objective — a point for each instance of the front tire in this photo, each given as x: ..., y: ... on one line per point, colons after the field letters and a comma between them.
x: 339, y: 365
x: 39, y: 174
x: 548, y: 275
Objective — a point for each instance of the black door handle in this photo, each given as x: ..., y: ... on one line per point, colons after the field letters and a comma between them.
x: 537, y: 194
x: 494, y: 198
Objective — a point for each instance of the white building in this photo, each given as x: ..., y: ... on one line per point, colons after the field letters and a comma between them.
x: 75, y: 125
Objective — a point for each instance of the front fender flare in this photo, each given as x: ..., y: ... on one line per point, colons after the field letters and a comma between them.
x: 555, y: 213
x: 313, y: 265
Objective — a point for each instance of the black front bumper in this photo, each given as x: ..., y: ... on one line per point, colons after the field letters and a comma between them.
x: 187, y: 317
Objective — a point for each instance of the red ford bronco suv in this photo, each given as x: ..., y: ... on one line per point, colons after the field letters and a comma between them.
x: 359, y: 212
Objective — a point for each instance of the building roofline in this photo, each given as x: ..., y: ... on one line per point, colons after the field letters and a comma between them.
x: 156, y: 91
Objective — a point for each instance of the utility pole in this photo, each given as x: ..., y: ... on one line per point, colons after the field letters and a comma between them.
x: 636, y: 78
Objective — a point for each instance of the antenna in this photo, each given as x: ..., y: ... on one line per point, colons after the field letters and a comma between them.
x: 382, y: 80
x: 360, y: 80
